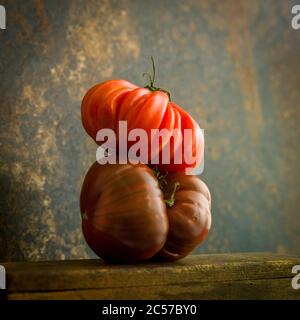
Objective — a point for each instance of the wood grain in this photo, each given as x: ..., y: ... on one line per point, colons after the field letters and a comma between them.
x: 221, y: 276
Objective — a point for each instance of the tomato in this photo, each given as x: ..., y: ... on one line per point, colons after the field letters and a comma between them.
x: 131, y: 213
x: 189, y: 217
x: 123, y: 214
x: 107, y: 103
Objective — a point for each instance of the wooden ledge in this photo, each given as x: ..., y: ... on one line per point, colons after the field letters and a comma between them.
x: 217, y: 276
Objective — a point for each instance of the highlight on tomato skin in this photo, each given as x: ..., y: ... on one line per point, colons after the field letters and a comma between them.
x: 124, y: 217
x: 108, y: 103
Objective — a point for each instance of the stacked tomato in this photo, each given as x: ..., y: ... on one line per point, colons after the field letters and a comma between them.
x: 135, y: 212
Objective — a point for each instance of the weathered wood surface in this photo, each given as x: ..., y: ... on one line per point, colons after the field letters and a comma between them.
x: 222, y: 276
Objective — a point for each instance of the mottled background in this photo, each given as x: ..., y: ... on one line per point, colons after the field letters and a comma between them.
x: 235, y: 65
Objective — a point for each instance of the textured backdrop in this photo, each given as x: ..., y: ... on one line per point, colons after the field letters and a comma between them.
x: 235, y: 65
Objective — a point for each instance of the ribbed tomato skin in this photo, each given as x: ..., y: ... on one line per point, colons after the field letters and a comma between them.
x: 124, y: 217
x: 107, y: 103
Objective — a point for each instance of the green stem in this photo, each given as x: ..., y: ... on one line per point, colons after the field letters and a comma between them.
x: 171, y: 201
x: 151, y: 86
x: 163, y: 184
x: 84, y: 216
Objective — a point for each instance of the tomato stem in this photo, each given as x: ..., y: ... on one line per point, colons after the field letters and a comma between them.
x: 84, y: 216
x: 169, y: 201
x: 151, y: 86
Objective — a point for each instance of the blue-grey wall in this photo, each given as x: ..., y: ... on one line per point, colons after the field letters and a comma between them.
x: 235, y: 65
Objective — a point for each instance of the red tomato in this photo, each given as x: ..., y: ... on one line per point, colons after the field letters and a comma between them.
x: 123, y: 214
x: 125, y: 217
x: 107, y: 103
